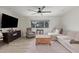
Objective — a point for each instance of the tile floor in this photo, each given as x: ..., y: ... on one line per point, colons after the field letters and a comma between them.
x: 23, y: 45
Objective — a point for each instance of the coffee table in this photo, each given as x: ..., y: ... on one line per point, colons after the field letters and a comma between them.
x: 43, y: 39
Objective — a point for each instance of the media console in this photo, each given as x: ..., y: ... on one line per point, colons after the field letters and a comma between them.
x: 10, y: 36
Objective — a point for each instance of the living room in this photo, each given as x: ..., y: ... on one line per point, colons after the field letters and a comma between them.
x: 44, y: 23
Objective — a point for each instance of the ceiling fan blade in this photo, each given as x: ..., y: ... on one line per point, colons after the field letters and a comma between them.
x: 42, y: 7
x: 46, y: 12
x: 31, y: 10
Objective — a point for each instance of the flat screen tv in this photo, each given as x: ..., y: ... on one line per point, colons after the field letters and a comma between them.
x: 9, y: 21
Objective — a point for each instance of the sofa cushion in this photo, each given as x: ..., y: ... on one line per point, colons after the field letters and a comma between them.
x: 71, y: 34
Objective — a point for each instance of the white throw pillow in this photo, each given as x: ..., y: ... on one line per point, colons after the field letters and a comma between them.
x: 57, y: 31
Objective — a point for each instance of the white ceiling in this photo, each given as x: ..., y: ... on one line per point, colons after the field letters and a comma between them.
x: 23, y: 10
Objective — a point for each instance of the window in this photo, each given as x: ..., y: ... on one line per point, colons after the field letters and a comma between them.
x: 40, y: 23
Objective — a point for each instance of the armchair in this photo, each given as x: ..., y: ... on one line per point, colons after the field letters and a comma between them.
x: 30, y: 33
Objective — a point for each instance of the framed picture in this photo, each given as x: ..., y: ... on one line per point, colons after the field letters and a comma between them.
x: 40, y: 23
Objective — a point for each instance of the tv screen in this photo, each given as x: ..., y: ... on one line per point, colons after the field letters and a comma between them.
x: 8, y: 21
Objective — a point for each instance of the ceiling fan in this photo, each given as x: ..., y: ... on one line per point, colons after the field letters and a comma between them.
x: 40, y: 10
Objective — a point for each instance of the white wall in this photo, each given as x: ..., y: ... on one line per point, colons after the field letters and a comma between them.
x: 53, y: 22
x: 70, y: 20
x: 24, y: 22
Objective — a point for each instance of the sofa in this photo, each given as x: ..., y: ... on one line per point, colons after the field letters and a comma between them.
x: 66, y: 38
